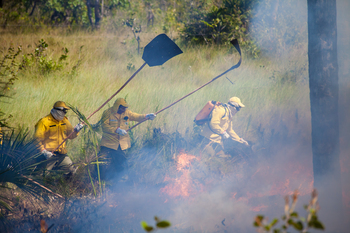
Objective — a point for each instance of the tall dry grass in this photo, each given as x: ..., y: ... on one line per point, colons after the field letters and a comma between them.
x: 275, y: 92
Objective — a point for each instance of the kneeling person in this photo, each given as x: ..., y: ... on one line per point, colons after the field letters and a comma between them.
x: 50, y: 131
x: 220, y: 128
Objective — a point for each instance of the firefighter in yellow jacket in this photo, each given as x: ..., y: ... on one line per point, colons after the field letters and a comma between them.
x: 50, y: 131
x: 220, y: 127
x: 115, y: 139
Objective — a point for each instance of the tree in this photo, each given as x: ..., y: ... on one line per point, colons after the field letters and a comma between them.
x: 324, y: 88
x: 97, y: 14
x: 96, y: 5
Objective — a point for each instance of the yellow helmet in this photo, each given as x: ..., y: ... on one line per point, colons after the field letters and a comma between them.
x: 236, y: 100
x: 61, y: 104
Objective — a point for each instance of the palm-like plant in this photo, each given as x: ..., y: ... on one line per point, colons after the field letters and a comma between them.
x: 19, y: 158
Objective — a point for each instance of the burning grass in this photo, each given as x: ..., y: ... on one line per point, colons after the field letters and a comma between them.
x: 182, y: 185
x: 168, y: 176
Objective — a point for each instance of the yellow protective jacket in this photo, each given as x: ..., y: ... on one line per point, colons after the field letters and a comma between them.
x: 0, y: 136
x: 50, y: 132
x: 111, y: 121
x: 219, y: 123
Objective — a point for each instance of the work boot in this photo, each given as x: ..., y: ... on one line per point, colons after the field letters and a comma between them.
x: 68, y: 177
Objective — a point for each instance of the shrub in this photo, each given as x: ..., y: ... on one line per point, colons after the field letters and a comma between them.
x: 40, y: 60
x: 221, y: 24
x: 10, y: 65
x: 292, y: 218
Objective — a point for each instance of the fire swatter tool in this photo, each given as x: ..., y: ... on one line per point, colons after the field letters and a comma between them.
x: 234, y: 42
x: 156, y: 53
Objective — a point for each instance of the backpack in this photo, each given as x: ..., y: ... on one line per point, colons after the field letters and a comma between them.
x: 205, y: 114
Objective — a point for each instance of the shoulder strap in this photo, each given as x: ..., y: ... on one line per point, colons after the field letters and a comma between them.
x: 214, y: 102
x: 225, y: 111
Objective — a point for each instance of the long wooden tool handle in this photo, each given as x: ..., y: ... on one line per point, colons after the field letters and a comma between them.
x: 233, y: 67
x: 117, y: 91
x: 103, y: 104
x: 182, y: 97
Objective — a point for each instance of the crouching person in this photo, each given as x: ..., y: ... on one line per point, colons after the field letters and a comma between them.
x: 115, y: 138
x: 50, y: 131
x: 220, y: 128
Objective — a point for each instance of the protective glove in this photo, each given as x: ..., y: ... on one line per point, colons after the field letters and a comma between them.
x: 225, y: 135
x: 78, y: 127
x: 121, y: 132
x: 244, y: 142
x: 47, y: 154
x: 150, y: 116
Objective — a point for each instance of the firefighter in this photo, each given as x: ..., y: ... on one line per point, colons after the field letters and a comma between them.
x: 115, y: 139
x: 219, y: 129
x: 50, y: 131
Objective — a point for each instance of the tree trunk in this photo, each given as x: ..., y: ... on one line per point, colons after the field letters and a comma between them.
x: 33, y: 9
x: 97, y: 13
x: 324, y: 88
x: 88, y: 5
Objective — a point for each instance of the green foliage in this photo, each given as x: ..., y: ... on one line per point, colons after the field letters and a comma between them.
x: 291, y: 218
x: 18, y: 163
x: 69, y: 12
x: 12, y: 64
x: 135, y: 28
x: 13, y: 11
x: 131, y: 67
x: 75, y: 68
x: 55, y: 12
x: 159, y: 225
x: 64, y: 11
x: 115, y: 4
x: 221, y: 24
x: 9, y: 68
x: 43, y: 63
x: 170, y: 21
x: 89, y: 147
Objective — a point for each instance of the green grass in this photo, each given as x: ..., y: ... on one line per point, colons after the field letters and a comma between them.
x: 269, y: 100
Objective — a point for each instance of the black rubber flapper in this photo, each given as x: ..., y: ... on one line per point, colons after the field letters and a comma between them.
x: 159, y: 50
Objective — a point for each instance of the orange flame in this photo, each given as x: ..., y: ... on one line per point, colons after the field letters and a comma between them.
x: 279, y: 180
x: 182, y: 186
x: 43, y: 226
x: 283, y: 181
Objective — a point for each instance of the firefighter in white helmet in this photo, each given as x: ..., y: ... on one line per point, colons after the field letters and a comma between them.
x: 220, y: 127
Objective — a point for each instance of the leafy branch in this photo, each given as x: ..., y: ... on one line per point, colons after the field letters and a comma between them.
x: 90, y: 144
x: 291, y: 217
x: 9, y: 68
x: 45, y: 64
x: 135, y: 29
x: 160, y: 224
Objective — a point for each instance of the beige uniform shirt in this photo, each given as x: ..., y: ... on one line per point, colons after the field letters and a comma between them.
x: 113, y: 121
x: 219, y: 123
